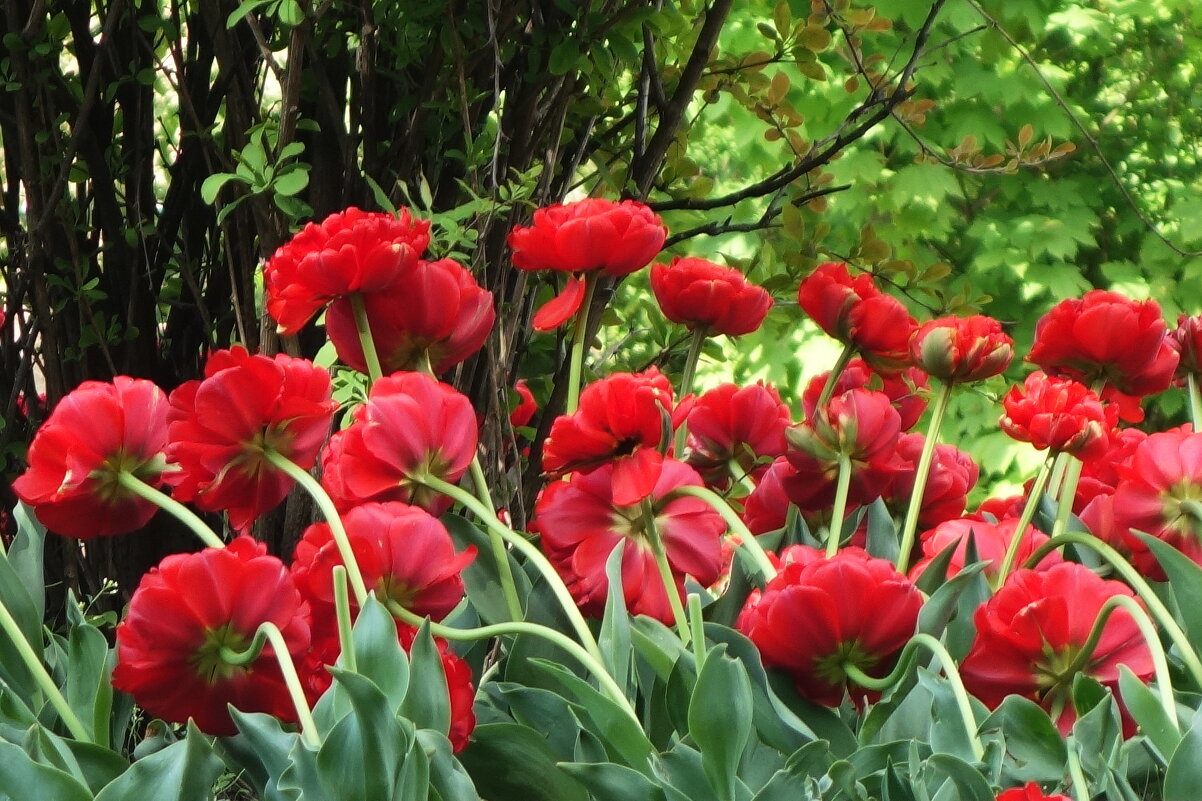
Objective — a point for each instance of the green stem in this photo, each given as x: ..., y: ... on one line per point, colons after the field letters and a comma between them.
x: 686, y: 383
x: 1164, y: 682
x: 697, y: 627
x: 342, y: 613
x: 590, y: 661
x: 1068, y: 494
x: 1137, y: 582
x: 268, y: 632
x: 496, y: 544
x: 949, y: 670
x: 322, y: 499
x: 832, y: 377
x: 1058, y: 467
x: 40, y: 675
x: 363, y: 327
x: 665, y: 572
x: 519, y: 543
x: 840, y: 508
x: 579, y: 334
x: 1024, y: 520
x: 164, y: 501
x: 748, y: 544
x: 1195, y: 401
x: 921, y: 473
x: 1080, y: 788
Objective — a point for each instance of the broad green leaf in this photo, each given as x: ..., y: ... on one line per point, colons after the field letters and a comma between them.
x: 21, y: 777
x: 183, y: 771
x: 1185, y: 584
x: 428, y: 702
x: 1144, y: 706
x: 362, y: 754
x: 1035, y: 749
x: 481, y: 577
x: 25, y: 555
x: 212, y: 185
x: 262, y: 748
x: 89, y: 691
x: 508, y: 762
x: 941, y: 607
x: 1183, y: 779
x: 720, y: 718
x: 609, y: 782
x: 447, y: 776
x: 614, y: 638
x: 291, y: 180
x: 378, y: 654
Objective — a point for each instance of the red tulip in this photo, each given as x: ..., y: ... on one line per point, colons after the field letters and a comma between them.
x: 952, y: 476
x: 411, y: 426
x: 1187, y: 341
x: 990, y: 540
x: 1030, y: 634
x: 716, y: 299
x: 855, y: 312
x: 905, y: 390
x: 434, y: 311
x: 190, y: 607
x: 1029, y: 792
x: 95, y: 433
x: 819, y: 615
x: 767, y: 507
x: 860, y: 423
x: 1059, y: 414
x: 350, y: 251
x: 620, y: 420
x: 1105, y: 336
x: 592, y: 235
x: 1160, y: 493
x: 731, y: 425
x: 581, y: 521
x: 962, y: 349
x: 221, y: 428
x: 404, y: 553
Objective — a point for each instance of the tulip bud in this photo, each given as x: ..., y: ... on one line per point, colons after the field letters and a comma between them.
x: 958, y: 349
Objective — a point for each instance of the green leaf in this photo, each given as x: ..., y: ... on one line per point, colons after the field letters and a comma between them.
x: 614, y: 638
x: 609, y: 782
x: 721, y: 729
x: 262, y: 749
x: 1183, y: 779
x: 378, y: 655
x: 1144, y: 706
x: 183, y: 771
x: 447, y: 777
x: 428, y: 702
x: 942, y: 605
x: 509, y: 762
x: 564, y: 56
x: 291, y: 180
x: 26, y: 557
x: 89, y: 690
x: 543, y: 711
x: 1185, y: 584
x: 21, y: 777
x: 968, y: 781
x: 882, y: 532
x: 623, y: 737
x: 361, y: 756
x: 212, y: 185
x: 1034, y: 747
x: 481, y: 577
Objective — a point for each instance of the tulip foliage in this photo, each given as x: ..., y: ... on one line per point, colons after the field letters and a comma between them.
x: 713, y: 599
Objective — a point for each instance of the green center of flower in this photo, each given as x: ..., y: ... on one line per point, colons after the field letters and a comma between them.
x: 1182, y: 510
x: 108, y: 485
x: 207, y: 660
x: 831, y: 667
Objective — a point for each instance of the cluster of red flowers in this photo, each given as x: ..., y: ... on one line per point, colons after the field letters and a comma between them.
x: 617, y: 471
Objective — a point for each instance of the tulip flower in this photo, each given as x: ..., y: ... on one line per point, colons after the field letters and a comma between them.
x: 708, y: 297
x: 1030, y: 637
x: 433, y: 316
x: 581, y: 521
x: 820, y: 615
x: 185, y: 612
x: 349, y: 252
x: 1060, y: 415
x: 96, y: 433
x: 962, y: 349
x: 905, y: 390
x: 990, y: 541
x: 732, y: 429
x: 224, y: 429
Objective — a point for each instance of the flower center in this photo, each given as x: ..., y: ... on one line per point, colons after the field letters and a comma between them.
x: 207, y: 661
x: 1182, y: 510
x: 831, y: 667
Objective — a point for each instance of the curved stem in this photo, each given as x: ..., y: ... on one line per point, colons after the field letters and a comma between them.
x: 1137, y: 582
x: 593, y: 663
x: 363, y: 328
x: 921, y: 473
x: 1024, y: 520
x: 1195, y: 401
x: 42, y: 677
x: 496, y: 544
x: 748, y: 544
x: 322, y: 499
x: 697, y: 627
x: 342, y: 613
x: 176, y: 509
x: 519, y: 543
x: 832, y: 377
x: 840, y: 508
x: 686, y: 383
x: 949, y: 670
x: 665, y: 572
x: 579, y: 334
x: 1068, y: 494
x: 1164, y: 682
x: 268, y: 632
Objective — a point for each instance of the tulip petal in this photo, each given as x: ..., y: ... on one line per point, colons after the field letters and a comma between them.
x: 562, y: 307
